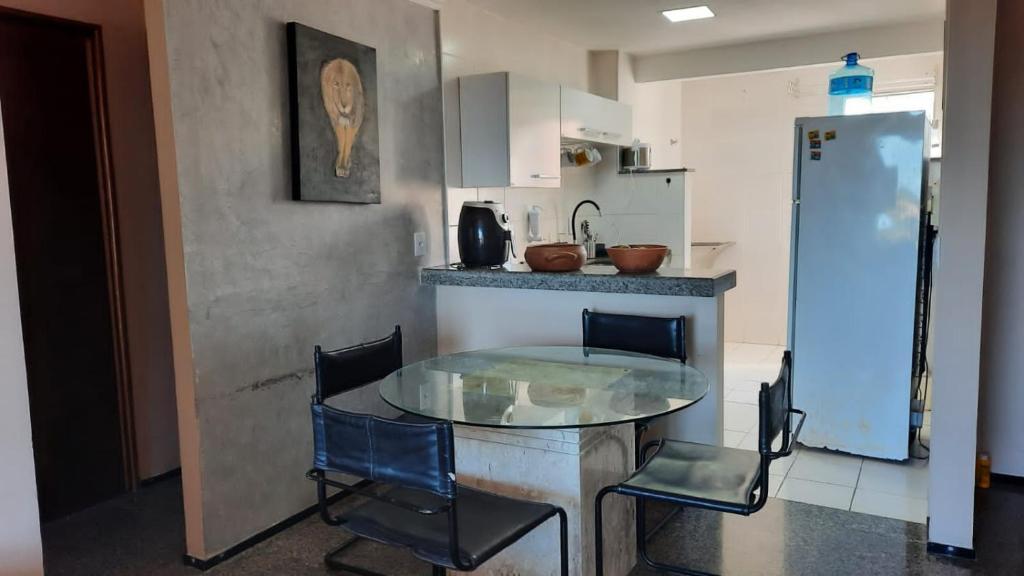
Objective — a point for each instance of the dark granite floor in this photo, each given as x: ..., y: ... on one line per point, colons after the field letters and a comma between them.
x: 142, y: 533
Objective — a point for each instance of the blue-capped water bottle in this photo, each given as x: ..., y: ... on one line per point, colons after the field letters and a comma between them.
x: 849, y: 88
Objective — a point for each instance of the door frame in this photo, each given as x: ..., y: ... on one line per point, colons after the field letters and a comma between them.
x: 111, y: 231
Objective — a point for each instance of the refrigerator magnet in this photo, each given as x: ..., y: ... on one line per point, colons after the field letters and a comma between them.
x: 813, y: 135
x: 830, y: 135
x: 815, y: 144
x: 815, y: 154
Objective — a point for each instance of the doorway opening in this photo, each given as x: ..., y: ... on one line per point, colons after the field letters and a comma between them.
x: 68, y: 268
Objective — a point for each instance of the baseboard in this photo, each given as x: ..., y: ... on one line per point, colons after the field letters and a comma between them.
x: 1008, y: 479
x: 274, y: 530
x: 951, y: 551
x: 173, y: 473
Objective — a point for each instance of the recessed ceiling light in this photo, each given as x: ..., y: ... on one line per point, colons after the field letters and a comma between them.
x: 684, y: 14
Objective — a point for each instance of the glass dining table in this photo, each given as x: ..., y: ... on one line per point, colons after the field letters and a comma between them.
x: 553, y: 424
x: 544, y: 387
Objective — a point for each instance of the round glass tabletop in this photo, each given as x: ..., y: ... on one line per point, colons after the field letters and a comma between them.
x: 543, y: 387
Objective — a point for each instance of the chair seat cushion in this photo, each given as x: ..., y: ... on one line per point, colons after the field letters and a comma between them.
x: 487, y: 524
x: 698, y: 472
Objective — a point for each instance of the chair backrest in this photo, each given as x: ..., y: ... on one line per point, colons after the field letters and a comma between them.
x: 776, y: 404
x: 345, y: 369
x: 665, y: 337
x: 420, y: 456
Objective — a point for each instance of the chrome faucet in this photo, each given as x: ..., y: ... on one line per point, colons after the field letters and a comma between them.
x: 577, y: 209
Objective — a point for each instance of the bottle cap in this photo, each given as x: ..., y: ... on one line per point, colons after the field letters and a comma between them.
x: 851, y: 58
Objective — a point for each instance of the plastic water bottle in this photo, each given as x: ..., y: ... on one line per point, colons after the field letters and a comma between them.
x: 849, y: 88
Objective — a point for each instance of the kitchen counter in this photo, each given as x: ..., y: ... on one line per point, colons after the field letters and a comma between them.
x: 592, y: 278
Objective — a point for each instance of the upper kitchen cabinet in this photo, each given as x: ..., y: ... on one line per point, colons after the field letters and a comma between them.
x: 510, y: 131
x: 595, y: 119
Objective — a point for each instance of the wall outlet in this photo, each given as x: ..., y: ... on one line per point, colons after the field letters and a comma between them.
x: 419, y: 244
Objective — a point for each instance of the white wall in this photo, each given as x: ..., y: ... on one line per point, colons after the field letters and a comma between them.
x: 960, y: 270
x: 1002, y: 396
x: 474, y: 41
x: 635, y: 208
x: 21, y: 552
x: 736, y: 132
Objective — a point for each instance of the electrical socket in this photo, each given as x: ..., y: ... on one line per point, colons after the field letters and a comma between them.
x: 419, y: 244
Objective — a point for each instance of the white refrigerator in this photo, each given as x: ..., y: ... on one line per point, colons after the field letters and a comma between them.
x: 859, y: 200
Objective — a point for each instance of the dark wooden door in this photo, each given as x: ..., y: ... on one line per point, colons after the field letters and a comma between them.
x: 51, y: 133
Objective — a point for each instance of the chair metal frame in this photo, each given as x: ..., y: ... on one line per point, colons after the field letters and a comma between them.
x: 450, y: 508
x: 789, y: 436
x: 369, y: 489
x: 319, y: 396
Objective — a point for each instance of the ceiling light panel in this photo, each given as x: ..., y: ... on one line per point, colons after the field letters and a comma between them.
x: 692, y: 13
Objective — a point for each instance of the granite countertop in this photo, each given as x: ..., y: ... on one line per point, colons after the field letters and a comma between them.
x: 592, y: 278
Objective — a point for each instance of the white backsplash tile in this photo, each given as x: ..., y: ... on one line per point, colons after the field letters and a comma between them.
x: 492, y: 194
x: 456, y: 196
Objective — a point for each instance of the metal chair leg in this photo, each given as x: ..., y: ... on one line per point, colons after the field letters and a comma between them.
x: 641, y: 522
x: 563, y: 542
x: 598, y: 530
x: 332, y: 562
x: 642, y: 549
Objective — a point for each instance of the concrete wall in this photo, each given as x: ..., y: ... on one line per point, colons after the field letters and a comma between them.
x: 474, y: 41
x: 21, y: 551
x: 137, y: 194
x: 827, y: 47
x: 267, y: 278
x: 959, y: 273
x: 1002, y: 395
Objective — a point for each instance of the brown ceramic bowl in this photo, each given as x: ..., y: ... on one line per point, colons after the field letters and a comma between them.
x: 556, y: 257
x: 638, y: 258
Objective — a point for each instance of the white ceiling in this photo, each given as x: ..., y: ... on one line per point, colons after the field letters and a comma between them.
x: 637, y: 26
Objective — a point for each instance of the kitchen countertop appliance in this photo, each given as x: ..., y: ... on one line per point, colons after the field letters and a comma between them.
x: 484, y: 235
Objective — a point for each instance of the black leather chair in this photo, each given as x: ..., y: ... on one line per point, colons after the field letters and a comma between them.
x: 710, y: 477
x: 663, y: 337
x: 345, y: 369
x: 415, y: 502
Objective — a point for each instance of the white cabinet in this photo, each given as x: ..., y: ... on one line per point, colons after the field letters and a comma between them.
x: 510, y: 131
x: 595, y: 119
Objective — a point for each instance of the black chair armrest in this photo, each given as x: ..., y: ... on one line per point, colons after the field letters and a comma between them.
x: 647, y: 447
x: 317, y: 475
x: 793, y: 436
x: 799, y: 425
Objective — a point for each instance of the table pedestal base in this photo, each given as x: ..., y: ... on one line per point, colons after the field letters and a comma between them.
x: 566, y: 467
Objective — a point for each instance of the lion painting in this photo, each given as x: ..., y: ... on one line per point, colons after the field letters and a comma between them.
x: 334, y: 158
x: 342, y: 92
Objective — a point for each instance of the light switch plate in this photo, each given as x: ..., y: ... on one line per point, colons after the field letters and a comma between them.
x: 419, y: 244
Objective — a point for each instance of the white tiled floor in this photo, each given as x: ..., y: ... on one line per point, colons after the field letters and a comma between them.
x: 893, y: 490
